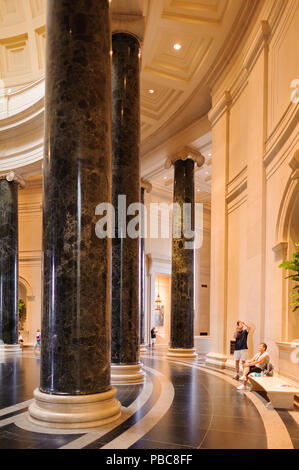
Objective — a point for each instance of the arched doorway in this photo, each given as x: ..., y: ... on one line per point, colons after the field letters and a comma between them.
x: 293, y: 238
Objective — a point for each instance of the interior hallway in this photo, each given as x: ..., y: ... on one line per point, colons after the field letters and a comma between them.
x: 182, y: 405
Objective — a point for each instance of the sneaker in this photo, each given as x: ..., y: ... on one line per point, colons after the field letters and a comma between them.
x: 236, y: 377
x: 243, y: 377
x: 242, y: 387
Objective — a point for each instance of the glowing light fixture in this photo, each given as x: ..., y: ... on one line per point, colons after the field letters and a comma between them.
x: 177, y: 46
x: 158, y: 300
x: 151, y: 92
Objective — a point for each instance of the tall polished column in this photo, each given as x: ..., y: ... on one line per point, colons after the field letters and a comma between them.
x: 9, y: 262
x: 125, y: 357
x: 75, y: 390
x: 182, y: 271
x: 145, y: 186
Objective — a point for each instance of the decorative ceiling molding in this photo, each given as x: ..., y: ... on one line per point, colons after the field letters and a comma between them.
x: 220, y: 108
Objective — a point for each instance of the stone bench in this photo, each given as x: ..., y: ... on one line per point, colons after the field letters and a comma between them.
x: 280, y: 393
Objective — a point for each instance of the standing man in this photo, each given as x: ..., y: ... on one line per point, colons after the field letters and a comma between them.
x: 154, y: 332
x: 241, y: 348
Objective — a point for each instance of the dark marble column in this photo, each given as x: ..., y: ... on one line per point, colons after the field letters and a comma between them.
x: 142, y: 280
x: 9, y: 263
x: 182, y: 273
x: 75, y: 339
x: 125, y: 355
x: 145, y: 186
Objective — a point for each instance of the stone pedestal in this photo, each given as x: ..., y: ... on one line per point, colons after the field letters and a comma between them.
x: 75, y: 388
x: 189, y: 353
x: 126, y: 185
x: 74, y: 412
x: 10, y: 349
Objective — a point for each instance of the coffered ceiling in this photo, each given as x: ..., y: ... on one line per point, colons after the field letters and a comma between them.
x: 175, y: 81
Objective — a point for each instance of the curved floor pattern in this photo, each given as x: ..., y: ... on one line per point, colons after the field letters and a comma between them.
x: 182, y: 405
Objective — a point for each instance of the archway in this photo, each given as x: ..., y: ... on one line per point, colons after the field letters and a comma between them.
x: 25, y: 293
x: 293, y: 238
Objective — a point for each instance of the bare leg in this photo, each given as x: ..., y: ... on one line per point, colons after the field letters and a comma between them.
x: 246, y: 372
x: 237, y: 367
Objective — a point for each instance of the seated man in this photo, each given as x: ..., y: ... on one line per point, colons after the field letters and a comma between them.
x: 257, y: 364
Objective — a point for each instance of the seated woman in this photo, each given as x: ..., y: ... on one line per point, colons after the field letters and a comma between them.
x: 257, y: 364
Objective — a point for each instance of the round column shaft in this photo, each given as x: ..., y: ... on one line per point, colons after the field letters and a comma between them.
x: 182, y: 274
x: 75, y: 390
x: 142, y: 280
x: 125, y: 357
x: 9, y: 266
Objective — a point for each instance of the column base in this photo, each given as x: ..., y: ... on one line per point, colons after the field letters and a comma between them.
x: 143, y: 348
x: 216, y: 359
x: 10, y: 349
x: 127, y: 374
x: 74, y: 411
x: 181, y: 353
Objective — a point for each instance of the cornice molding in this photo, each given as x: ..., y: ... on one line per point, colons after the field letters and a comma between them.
x: 220, y: 108
x: 235, y: 76
x: 294, y: 164
x: 237, y: 185
x: 261, y: 40
x: 282, y: 131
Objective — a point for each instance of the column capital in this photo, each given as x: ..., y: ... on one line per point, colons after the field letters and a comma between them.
x: 12, y: 176
x: 146, y: 185
x: 185, y: 153
x: 130, y: 24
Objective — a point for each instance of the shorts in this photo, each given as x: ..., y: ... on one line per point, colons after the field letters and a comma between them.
x: 254, y: 369
x: 240, y: 355
x: 153, y: 340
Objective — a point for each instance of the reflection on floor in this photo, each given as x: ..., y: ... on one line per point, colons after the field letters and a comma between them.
x: 182, y: 405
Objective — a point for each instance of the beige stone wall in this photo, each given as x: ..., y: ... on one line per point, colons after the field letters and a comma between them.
x: 160, y: 248
x: 255, y: 183
x: 30, y: 246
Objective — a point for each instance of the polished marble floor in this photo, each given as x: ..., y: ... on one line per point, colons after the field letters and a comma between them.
x: 182, y: 405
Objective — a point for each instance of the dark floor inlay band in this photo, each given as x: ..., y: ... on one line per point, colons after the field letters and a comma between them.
x: 97, y: 444
x: 13, y: 437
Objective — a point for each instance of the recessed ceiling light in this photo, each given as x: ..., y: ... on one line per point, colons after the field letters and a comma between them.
x: 177, y: 46
x: 151, y: 91
x: 198, y: 190
x: 209, y: 155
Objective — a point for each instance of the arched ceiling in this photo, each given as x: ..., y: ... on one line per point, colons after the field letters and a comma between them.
x: 175, y: 84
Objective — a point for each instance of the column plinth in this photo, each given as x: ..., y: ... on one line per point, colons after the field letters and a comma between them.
x: 74, y: 412
x: 189, y: 353
x: 125, y: 354
x: 127, y: 373
x: 10, y: 349
x: 75, y: 388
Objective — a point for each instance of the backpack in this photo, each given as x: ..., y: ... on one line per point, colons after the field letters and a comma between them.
x: 268, y: 371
